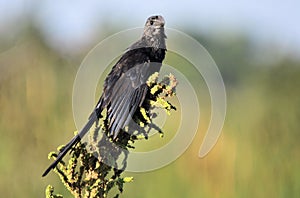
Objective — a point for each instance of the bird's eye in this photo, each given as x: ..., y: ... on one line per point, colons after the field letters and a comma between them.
x: 151, y: 22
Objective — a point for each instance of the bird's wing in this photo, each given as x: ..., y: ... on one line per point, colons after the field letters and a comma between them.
x: 127, y: 94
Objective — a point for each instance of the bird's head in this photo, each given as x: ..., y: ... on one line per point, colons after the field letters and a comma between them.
x: 154, y: 33
x: 156, y: 21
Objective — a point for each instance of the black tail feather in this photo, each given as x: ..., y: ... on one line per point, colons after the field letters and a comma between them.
x: 73, y: 142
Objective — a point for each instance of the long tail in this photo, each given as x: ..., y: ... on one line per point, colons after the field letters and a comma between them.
x: 73, y: 142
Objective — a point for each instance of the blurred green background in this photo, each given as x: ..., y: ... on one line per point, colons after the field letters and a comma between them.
x: 257, y: 155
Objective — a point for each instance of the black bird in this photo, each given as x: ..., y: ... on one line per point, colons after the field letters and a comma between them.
x: 125, y: 87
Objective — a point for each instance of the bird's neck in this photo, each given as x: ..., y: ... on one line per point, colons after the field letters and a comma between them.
x: 153, y: 42
x: 155, y: 38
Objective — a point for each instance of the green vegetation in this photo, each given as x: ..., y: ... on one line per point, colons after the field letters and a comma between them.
x: 88, y: 176
x: 257, y: 154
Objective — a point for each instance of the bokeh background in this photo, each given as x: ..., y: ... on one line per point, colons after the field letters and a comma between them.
x: 255, y: 45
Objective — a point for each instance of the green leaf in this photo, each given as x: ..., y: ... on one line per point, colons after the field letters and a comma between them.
x: 128, y: 179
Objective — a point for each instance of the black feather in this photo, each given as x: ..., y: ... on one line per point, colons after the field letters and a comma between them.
x: 125, y: 87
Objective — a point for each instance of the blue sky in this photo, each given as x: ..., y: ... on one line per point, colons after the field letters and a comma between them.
x: 65, y: 21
